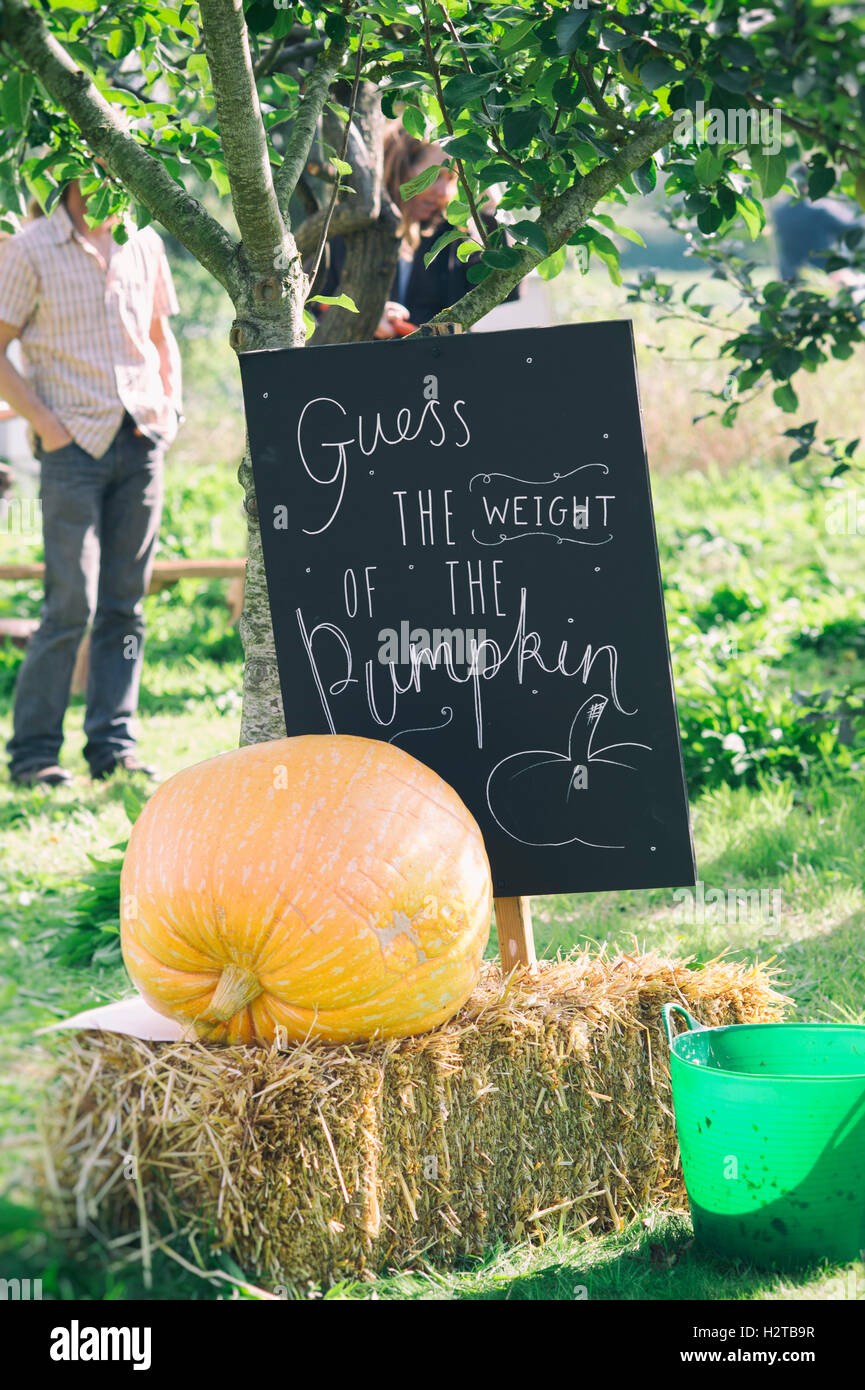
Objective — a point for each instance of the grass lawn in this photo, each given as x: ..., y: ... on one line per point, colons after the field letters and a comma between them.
x: 764, y: 607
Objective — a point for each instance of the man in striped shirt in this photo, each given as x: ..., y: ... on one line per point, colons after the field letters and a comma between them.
x: 101, y: 392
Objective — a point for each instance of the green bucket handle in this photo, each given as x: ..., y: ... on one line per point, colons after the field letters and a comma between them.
x: 693, y: 1025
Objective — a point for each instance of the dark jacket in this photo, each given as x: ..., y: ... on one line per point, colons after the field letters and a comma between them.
x: 430, y: 289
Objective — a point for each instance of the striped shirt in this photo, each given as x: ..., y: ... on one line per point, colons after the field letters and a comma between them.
x: 85, y: 327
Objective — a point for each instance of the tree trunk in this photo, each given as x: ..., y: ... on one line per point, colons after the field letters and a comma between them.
x: 370, y: 265
x: 271, y: 317
x: 372, y: 250
x: 262, y: 717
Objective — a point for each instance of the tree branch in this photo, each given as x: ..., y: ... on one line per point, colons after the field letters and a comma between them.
x: 315, y: 93
x: 347, y: 217
x: 369, y: 201
x: 606, y: 114
x: 241, y: 130
x: 809, y: 128
x: 335, y: 194
x: 559, y: 220
x: 290, y: 53
x: 145, y: 177
x: 434, y: 69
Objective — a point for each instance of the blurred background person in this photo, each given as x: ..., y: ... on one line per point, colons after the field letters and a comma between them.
x: 418, y: 292
x: 807, y: 232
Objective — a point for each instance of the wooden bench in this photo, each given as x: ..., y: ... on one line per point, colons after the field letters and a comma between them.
x: 165, y: 573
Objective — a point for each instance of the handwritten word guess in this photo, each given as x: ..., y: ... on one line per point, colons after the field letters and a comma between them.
x: 323, y: 430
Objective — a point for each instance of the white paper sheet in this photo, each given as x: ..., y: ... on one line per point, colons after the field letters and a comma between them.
x: 132, y: 1016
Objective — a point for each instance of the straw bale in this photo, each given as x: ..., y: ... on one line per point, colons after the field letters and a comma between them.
x: 544, y: 1106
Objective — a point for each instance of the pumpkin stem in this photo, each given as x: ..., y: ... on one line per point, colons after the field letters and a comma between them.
x: 237, y: 987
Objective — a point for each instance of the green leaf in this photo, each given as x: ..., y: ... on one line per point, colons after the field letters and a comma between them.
x: 532, y: 234
x: 657, y: 72
x: 284, y: 81
x: 466, y: 87
x: 513, y: 38
x: 470, y: 146
x: 608, y: 252
x: 732, y: 80
x: 501, y: 257
x: 785, y: 363
x: 341, y: 167
x: 197, y: 66
x: 133, y: 803
x: 553, y: 265
x: 752, y: 215
x: 420, y: 183
x: 335, y: 27
x: 344, y: 301
x: 646, y: 176
x: 737, y: 51
x: 121, y: 41
x: 708, y: 166
x: 499, y: 172
x: 99, y: 204
x: 614, y: 39
x: 627, y: 232
x: 468, y: 248
x: 220, y: 178
x: 476, y: 273
x: 771, y: 169
x: 51, y: 198
x: 414, y: 122
x: 520, y: 125
x: 16, y: 97
x: 785, y: 397
x: 710, y: 219
x: 821, y: 178
x: 569, y: 28
x: 452, y: 234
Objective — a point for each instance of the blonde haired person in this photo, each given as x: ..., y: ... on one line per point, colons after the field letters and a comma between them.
x: 418, y: 291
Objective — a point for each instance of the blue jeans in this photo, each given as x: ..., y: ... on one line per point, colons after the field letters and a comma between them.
x: 100, y: 520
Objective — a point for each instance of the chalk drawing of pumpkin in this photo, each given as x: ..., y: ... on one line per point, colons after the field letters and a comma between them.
x: 545, y: 798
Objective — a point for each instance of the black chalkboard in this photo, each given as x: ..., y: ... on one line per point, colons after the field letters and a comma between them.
x: 461, y: 560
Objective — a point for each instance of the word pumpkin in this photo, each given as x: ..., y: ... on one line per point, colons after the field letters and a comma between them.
x: 323, y: 886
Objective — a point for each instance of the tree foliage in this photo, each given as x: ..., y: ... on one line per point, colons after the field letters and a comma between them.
x: 570, y: 111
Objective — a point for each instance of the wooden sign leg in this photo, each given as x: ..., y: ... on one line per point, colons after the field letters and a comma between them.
x: 514, y: 930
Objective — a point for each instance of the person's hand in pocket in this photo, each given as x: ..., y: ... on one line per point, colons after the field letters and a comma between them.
x: 53, y: 435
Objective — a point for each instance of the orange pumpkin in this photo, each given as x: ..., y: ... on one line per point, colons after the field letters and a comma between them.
x: 324, y: 886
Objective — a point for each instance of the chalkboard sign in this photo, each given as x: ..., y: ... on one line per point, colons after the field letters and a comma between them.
x: 461, y: 560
